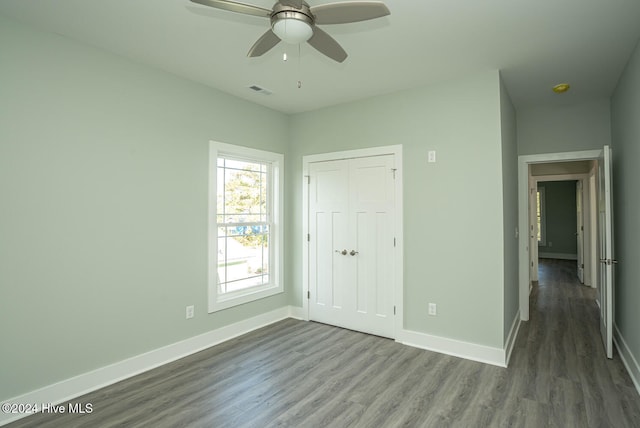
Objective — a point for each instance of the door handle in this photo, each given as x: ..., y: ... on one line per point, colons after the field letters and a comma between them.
x: 343, y: 252
x: 353, y: 252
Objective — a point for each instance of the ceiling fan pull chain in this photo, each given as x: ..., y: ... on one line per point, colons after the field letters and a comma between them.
x: 299, y: 55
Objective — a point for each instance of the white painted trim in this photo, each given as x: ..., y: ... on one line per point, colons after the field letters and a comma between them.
x: 304, y: 286
x: 627, y: 357
x: 523, y: 214
x: 511, y: 338
x: 90, y: 381
x: 584, y: 177
x: 559, y: 177
x: 297, y: 312
x: 456, y: 348
x: 398, y: 292
x: 561, y: 256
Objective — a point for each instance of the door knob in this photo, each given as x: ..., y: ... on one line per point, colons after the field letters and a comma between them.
x: 343, y: 252
x: 353, y: 252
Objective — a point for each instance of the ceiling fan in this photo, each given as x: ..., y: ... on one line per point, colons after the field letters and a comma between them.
x: 294, y: 21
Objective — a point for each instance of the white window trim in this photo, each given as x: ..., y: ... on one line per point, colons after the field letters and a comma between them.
x: 216, y: 301
x: 543, y: 218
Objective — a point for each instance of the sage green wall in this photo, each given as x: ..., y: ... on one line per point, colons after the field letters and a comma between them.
x: 103, y: 226
x: 560, y: 218
x: 509, y: 208
x: 549, y: 129
x: 453, y: 231
x: 625, y: 114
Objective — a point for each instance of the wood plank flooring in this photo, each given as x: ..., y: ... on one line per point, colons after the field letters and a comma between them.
x: 305, y: 374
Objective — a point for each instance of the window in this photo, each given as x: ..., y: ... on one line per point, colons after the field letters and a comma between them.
x: 245, y: 233
x: 540, y: 214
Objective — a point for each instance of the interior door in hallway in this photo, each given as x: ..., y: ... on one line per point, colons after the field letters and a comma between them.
x: 580, y: 231
x: 351, y: 263
x: 607, y: 259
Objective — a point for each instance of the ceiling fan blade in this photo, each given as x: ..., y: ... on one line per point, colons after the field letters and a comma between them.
x: 349, y: 11
x: 325, y: 44
x: 267, y: 41
x: 233, y: 6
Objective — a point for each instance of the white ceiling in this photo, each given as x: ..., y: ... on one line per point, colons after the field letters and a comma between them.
x: 536, y: 44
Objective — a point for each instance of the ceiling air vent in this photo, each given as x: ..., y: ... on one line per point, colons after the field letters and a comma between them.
x: 260, y: 90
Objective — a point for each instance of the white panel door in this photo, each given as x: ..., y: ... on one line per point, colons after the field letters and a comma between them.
x: 328, y: 218
x: 607, y: 259
x: 351, y: 266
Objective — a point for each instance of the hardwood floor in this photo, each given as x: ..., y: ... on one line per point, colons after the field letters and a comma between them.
x: 305, y: 374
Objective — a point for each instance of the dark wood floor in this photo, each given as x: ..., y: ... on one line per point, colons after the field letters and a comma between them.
x: 304, y: 374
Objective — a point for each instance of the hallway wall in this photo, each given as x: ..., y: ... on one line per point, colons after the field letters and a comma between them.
x: 625, y: 111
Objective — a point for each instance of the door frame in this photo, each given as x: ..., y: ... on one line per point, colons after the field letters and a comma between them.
x: 523, y: 214
x: 588, y: 218
x: 398, y: 277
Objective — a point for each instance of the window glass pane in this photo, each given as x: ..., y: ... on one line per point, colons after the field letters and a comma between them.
x: 242, y: 255
x: 240, y: 164
x: 265, y: 255
x: 220, y: 193
x: 222, y: 251
x: 245, y: 283
x: 245, y: 195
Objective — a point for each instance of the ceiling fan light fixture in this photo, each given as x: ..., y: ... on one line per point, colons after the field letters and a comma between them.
x: 292, y: 27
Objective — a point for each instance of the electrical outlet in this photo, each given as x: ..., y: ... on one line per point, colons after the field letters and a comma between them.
x: 433, y: 309
x: 190, y: 311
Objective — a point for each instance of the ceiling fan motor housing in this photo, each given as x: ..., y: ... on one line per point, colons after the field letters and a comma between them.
x: 300, y: 22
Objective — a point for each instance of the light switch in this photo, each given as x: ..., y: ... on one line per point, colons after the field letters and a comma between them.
x: 432, y: 156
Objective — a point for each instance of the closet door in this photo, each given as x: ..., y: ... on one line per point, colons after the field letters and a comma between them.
x: 351, y: 260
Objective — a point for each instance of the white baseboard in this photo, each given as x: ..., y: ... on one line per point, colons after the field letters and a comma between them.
x: 628, y: 359
x: 82, y: 384
x: 456, y: 348
x: 561, y: 256
x: 297, y: 313
x: 511, y: 339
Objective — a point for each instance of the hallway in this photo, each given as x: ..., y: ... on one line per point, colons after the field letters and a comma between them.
x: 561, y: 355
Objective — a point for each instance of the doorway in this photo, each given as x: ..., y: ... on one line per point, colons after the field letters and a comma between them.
x: 353, y: 252
x: 528, y: 244
x: 564, y: 217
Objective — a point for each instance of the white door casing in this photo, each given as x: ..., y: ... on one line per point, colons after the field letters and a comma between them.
x: 594, y: 263
x: 351, y: 209
x: 524, y: 247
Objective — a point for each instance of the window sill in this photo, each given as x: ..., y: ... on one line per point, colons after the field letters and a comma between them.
x: 221, y: 302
